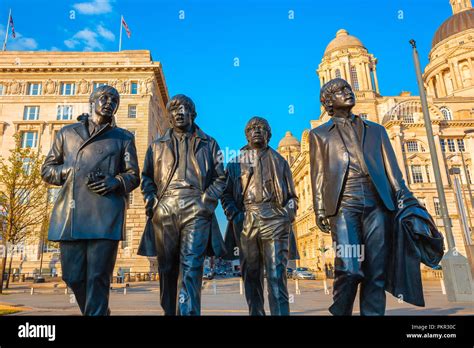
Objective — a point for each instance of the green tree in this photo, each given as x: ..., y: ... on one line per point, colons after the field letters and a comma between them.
x: 22, y: 198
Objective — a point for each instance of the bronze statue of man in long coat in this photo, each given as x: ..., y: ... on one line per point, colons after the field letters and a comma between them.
x: 95, y: 163
x: 182, y: 180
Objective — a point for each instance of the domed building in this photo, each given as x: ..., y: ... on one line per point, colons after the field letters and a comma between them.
x: 448, y: 79
x: 289, y: 147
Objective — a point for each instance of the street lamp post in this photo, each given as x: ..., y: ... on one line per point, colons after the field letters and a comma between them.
x: 456, y: 271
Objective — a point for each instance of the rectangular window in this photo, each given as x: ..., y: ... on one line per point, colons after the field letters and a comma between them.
x: 451, y: 145
x: 31, y: 113
x: 408, y: 118
x: 23, y: 195
x: 2, y: 89
x: 412, y: 146
x: 64, y: 112
x: 416, y: 174
x: 428, y: 177
x: 132, y: 111
x: 437, y: 206
x: 68, y: 88
x: 443, y: 145
x: 26, y: 166
x: 34, y: 88
x: 461, y: 145
x: 133, y: 88
x: 29, y: 139
x: 130, y: 198
x: 127, y: 242
x: 98, y: 84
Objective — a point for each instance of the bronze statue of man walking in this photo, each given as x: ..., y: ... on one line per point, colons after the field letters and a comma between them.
x: 182, y: 180
x: 96, y: 164
x: 260, y: 203
x: 357, y: 185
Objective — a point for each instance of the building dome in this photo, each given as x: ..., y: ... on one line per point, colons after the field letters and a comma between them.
x: 343, y: 40
x: 455, y: 24
x: 288, y: 140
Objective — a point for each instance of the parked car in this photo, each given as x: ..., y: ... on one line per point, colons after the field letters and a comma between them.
x: 289, y: 272
x: 303, y: 273
x: 208, y: 274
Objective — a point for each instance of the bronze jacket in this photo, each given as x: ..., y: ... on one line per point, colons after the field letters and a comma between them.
x: 160, y: 165
x: 238, y: 174
x: 329, y: 163
x: 78, y: 212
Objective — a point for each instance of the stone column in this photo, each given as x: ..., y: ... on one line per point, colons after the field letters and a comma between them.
x: 440, y: 79
x: 442, y: 162
x: 431, y: 89
x: 375, y: 79
x: 363, y: 86
x: 367, y: 71
x: 454, y: 75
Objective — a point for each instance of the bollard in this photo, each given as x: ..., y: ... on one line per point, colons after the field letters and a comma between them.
x: 124, y: 290
x: 65, y: 291
x: 241, y: 285
x: 214, y: 286
x: 297, y: 287
x: 443, y: 288
x: 32, y: 291
x: 326, y: 289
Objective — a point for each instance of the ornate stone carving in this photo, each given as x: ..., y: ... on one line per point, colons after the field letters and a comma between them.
x: 149, y: 85
x: 83, y: 87
x: 119, y: 85
x: 50, y: 87
x: 15, y: 87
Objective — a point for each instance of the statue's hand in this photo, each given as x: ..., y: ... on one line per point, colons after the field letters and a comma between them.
x: 323, y: 222
x: 105, y: 185
x: 150, y: 202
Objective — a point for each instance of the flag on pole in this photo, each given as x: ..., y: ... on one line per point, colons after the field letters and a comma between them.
x: 127, y: 30
x: 12, y: 26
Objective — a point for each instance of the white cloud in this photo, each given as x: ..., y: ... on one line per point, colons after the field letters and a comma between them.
x: 94, y: 7
x: 85, y: 37
x: 89, y: 40
x: 20, y: 43
x: 105, y: 33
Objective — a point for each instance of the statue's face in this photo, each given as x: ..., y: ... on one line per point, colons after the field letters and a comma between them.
x: 106, y: 105
x: 257, y: 136
x: 181, y: 117
x: 343, y: 98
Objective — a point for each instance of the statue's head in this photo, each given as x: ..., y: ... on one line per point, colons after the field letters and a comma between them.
x: 258, y: 132
x: 105, y: 101
x: 181, y: 112
x: 337, y: 94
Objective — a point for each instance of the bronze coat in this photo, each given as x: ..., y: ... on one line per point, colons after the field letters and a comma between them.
x: 160, y: 164
x: 78, y: 212
x: 329, y: 163
x: 238, y: 176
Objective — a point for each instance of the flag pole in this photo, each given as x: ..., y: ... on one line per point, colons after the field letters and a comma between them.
x: 6, y: 32
x: 120, y: 40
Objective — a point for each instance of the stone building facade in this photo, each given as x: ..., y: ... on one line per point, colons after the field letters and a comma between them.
x: 40, y: 92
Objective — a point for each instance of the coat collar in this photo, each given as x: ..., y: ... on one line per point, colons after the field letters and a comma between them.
x: 83, y: 130
x: 197, y: 132
x: 331, y: 122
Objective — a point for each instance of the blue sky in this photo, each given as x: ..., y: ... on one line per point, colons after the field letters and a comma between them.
x: 278, y: 56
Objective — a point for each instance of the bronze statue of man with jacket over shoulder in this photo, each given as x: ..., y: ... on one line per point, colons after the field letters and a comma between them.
x: 357, y: 185
x: 260, y: 203
x: 182, y: 180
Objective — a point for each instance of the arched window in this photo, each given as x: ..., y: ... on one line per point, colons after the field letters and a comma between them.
x: 355, y: 81
x: 338, y: 73
x: 447, y: 114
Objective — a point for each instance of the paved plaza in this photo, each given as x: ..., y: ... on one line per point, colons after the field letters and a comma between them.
x: 219, y: 297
